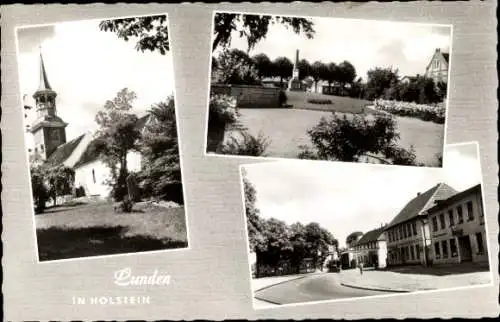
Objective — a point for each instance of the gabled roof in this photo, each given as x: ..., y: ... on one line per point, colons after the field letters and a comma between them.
x: 422, y: 202
x: 372, y: 236
x: 456, y: 197
x: 63, y: 151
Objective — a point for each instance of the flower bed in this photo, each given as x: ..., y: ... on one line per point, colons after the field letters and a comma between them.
x: 319, y: 101
x: 433, y: 113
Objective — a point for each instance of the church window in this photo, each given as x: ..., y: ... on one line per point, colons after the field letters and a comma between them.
x: 93, y: 175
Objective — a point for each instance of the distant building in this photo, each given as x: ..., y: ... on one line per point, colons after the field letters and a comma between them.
x: 457, y: 228
x: 371, y: 249
x: 408, y: 237
x: 438, y: 66
x: 347, y: 256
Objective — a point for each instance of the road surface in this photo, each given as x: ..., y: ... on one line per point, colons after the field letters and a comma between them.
x: 318, y: 287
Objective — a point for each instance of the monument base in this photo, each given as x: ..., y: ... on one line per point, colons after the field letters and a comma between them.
x: 295, y: 85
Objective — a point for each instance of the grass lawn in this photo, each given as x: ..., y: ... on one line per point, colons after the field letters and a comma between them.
x: 299, y: 100
x: 92, y: 229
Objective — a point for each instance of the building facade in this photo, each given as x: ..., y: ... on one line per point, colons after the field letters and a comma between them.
x: 457, y: 226
x: 408, y: 238
x: 371, y: 249
x: 437, y: 69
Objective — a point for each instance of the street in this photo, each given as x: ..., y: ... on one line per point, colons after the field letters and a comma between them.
x: 317, y: 287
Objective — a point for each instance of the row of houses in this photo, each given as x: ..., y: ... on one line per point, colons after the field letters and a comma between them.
x: 438, y: 226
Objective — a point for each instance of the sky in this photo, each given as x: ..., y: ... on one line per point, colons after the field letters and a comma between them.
x: 365, y: 43
x: 87, y: 67
x: 344, y: 197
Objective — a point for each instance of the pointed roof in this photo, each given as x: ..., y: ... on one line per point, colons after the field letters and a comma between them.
x: 63, y: 151
x: 44, y: 84
x: 423, y: 201
x: 371, y: 236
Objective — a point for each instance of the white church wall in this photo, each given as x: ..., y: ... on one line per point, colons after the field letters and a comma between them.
x: 92, y: 177
x: 133, y: 161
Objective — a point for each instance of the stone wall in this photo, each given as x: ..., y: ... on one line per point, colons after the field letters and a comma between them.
x: 250, y: 96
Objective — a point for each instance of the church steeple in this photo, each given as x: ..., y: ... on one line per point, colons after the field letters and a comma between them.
x: 45, y: 97
x: 44, y: 81
x: 48, y: 129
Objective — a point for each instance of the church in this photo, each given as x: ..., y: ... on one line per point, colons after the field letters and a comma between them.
x: 50, y: 144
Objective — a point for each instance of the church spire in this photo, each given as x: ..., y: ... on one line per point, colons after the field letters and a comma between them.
x: 44, y: 81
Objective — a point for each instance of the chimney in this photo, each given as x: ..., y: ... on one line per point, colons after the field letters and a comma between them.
x: 418, y: 194
x: 438, y: 50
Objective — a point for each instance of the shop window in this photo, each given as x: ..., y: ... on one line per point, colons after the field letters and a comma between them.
x: 434, y: 224
x: 451, y: 218
x: 412, y: 251
x: 444, y: 244
x: 460, y: 214
x: 442, y: 221
x: 470, y: 211
x: 453, y: 247
x: 480, y: 245
x: 437, y: 251
x: 417, y: 251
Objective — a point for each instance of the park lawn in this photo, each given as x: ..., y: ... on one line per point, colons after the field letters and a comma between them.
x: 298, y: 100
x: 93, y: 229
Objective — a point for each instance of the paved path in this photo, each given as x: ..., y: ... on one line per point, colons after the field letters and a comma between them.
x: 311, y: 288
x: 405, y: 282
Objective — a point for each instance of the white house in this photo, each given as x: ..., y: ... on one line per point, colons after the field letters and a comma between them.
x: 49, y: 143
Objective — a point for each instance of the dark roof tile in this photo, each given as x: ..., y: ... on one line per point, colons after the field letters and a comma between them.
x: 63, y: 151
x: 371, y: 236
x: 413, y: 208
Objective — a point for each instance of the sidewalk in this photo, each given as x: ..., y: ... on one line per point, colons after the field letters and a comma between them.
x: 397, y: 282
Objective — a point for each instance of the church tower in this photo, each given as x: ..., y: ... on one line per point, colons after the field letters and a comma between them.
x: 48, y: 129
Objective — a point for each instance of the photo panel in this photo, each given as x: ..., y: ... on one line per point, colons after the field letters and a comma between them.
x: 322, y: 231
x: 331, y: 89
x: 102, y: 137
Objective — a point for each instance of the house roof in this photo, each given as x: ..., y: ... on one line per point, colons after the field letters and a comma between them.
x: 63, y: 151
x: 456, y: 197
x: 371, y: 236
x: 422, y: 202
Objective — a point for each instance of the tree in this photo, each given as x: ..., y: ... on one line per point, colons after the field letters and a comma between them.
x: 235, y: 67
x: 38, y: 188
x: 254, y: 222
x: 161, y: 169
x: 254, y: 27
x: 330, y: 73
x: 380, y: 79
x: 346, y: 73
x: 116, y: 136
x: 60, y: 180
x: 263, y: 65
x: 304, y: 69
x: 339, y: 138
x: 317, y: 73
x: 150, y: 32
x: 283, y: 68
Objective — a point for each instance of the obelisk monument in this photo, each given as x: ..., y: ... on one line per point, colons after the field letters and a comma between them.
x: 294, y: 84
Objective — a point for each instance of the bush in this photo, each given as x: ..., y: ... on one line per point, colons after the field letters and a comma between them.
x: 319, y: 101
x: 342, y: 139
x: 246, y: 144
x: 125, y: 206
x: 222, y: 109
